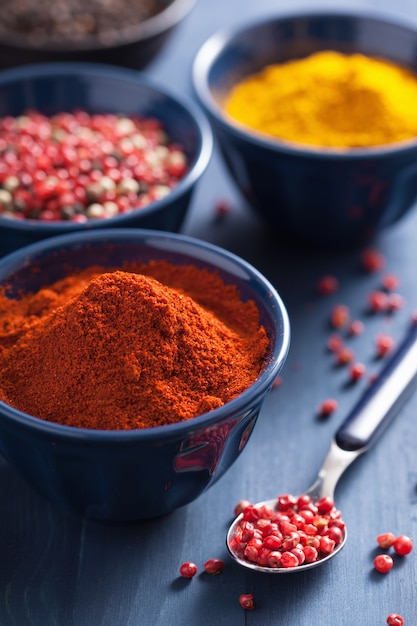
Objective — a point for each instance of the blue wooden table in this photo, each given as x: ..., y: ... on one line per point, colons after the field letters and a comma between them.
x: 58, y: 570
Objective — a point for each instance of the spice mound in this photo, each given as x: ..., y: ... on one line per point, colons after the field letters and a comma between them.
x: 329, y: 99
x: 119, y: 350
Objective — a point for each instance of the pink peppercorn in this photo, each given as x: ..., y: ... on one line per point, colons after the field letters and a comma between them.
x: 356, y: 327
x: 372, y: 260
x: 384, y: 344
x: 188, y: 569
x: 357, y: 371
x: 390, y: 282
x: 385, y: 540
x: 344, y: 356
x: 327, y: 407
x: 334, y: 342
x: 394, y: 619
x: 246, y: 601
x: 327, y: 285
x: 383, y: 563
x: 339, y: 316
x: 378, y: 301
x: 402, y: 545
x: 214, y: 566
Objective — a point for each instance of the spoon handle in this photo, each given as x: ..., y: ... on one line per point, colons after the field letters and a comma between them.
x: 383, y: 398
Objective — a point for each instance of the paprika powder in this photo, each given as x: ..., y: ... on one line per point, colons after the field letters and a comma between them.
x: 137, y: 347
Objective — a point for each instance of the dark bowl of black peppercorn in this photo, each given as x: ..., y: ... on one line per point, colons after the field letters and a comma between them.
x: 87, y: 146
x: 120, y: 32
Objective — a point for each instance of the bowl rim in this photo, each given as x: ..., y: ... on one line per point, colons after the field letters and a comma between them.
x: 260, y: 386
x: 156, y: 25
x: 80, y: 69
x: 212, y: 49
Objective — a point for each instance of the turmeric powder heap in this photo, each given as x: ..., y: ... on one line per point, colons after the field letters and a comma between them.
x: 329, y: 99
x: 123, y: 349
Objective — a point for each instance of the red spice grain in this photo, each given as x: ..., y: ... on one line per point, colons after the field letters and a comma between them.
x: 327, y: 285
x: 383, y: 563
x: 339, y: 316
x: 403, y: 545
x: 327, y: 407
x: 372, y: 260
x: 188, y: 569
x: 378, y: 301
x: 357, y: 371
x: 384, y: 345
x: 385, y: 540
x: 222, y: 208
x: 390, y: 282
x: 334, y: 343
x: 240, y: 507
x: 356, y: 327
x: 214, y: 566
x: 394, y: 619
x: 395, y: 302
x: 246, y: 601
x: 344, y: 356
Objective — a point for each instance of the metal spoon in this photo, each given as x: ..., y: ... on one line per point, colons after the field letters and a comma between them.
x: 373, y: 412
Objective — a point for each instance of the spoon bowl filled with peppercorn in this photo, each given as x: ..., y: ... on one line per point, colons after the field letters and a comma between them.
x: 88, y: 146
x: 133, y: 367
x: 293, y: 534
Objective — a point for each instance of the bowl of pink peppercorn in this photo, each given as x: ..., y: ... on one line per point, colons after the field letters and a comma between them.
x: 90, y: 146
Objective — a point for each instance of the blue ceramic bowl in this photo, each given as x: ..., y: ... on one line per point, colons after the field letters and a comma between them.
x: 321, y: 196
x: 96, y: 88
x: 136, y: 474
x: 134, y: 47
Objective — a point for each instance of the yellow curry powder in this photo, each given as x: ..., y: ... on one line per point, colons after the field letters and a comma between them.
x: 329, y: 99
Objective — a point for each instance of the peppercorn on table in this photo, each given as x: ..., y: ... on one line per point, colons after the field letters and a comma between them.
x: 346, y: 308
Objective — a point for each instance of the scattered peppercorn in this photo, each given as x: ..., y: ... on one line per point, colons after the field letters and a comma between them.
x: 403, y: 545
x: 383, y: 563
x: 339, y: 316
x: 384, y: 344
x: 385, y: 540
x: 357, y: 371
x: 79, y: 166
x: 327, y: 285
x: 246, y: 601
x: 378, y: 301
x: 327, y: 407
x: 334, y: 343
x: 390, y: 282
x: 394, y: 619
x: 372, y: 260
x: 188, y: 569
x: 356, y: 327
x: 344, y: 356
x: 214, y: 566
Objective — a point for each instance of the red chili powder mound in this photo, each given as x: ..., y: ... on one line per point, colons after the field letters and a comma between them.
x: 121, y: 350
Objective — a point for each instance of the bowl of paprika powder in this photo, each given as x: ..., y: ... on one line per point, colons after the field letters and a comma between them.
x: 87, y: 146
x: 133, y: 367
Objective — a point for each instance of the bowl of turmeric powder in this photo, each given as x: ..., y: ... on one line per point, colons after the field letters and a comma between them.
x: 316, y: 117
x: 133, y: 367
